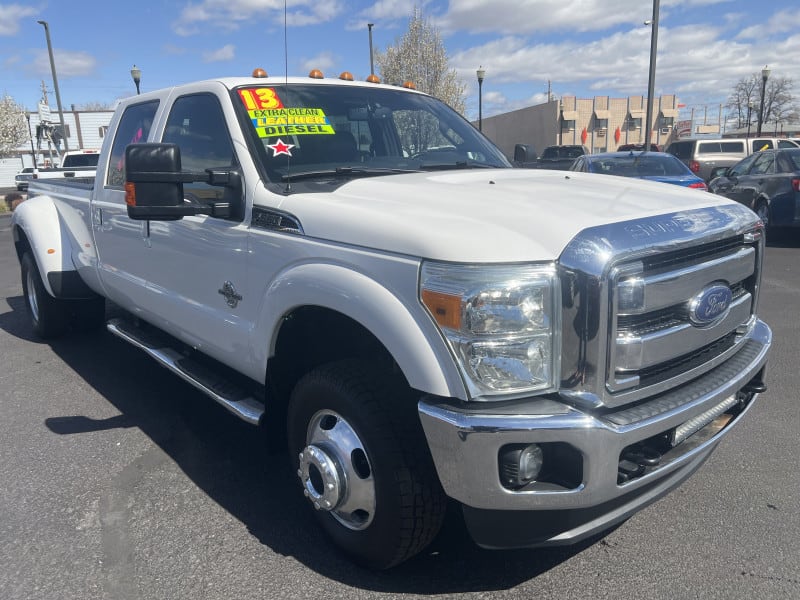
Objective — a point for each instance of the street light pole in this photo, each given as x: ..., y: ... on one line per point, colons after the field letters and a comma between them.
x: 30, y: 136
x: 136, y: 73
x: 371, y: 63
x: 651, y: 82
x: 481, y: 74
x: 764, y: 77
x: 55, y: 82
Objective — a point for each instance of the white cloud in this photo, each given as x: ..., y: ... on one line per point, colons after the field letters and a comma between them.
x: 227, y: 52
x: 232, y: 14
x: 68, y: 63
x: 11, y: 15
x: 325, y: 61
x: 528, y: 16
x: 781, y: 22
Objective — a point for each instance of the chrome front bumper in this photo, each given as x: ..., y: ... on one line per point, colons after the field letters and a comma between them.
x: 465, y: 441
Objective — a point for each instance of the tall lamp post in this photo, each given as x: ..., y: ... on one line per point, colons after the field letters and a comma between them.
x: 136, y: 73
x: 764, y: 77
x: 481, y: 74
x: 651, y: 82
x: 749, y: 111
x: 371, y: 63
x: 55, y: 82
x: 30, y: 135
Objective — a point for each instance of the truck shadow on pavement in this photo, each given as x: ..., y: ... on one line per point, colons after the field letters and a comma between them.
x: 229, y: 460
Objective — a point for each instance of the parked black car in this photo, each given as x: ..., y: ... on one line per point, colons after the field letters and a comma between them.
x: 768, y: 182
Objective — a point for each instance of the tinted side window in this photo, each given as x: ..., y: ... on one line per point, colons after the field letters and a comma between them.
x: 134, y: 126
x: 708, y: 148
x: 786, y: 144
x: 744, y: 166
x: 196, y: 124
x: 737, y: 147
x: 682, y: 150
x: 763, y: 164
x: 759, y: 145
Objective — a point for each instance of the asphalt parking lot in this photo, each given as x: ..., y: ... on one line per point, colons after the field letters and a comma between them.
x: 120, y: 481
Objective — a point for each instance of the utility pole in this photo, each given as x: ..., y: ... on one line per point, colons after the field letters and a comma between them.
x: 651, y: 84
x: 55, y: 83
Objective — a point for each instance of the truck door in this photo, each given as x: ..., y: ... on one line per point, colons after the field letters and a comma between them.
x: 184, y: 276
x: 197, y: 266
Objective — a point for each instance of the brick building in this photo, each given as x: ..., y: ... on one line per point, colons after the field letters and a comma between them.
x: 600, y: 123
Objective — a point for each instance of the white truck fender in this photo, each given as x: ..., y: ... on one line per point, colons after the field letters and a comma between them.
x: 417, y: 347
x: 38, y: 218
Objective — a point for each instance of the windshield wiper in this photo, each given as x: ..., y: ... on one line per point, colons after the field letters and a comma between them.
x: 344, y: 172
x: 455, y: 165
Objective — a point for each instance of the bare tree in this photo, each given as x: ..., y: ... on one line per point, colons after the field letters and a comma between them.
x: 13, y: 126
x: 95, y: 106
x: 745, y: 100
x: 419, y: 56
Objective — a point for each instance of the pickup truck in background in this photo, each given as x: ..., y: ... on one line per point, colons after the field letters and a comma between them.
x: 355, y: 267
x: 558, y: 157
x: 75, y: 164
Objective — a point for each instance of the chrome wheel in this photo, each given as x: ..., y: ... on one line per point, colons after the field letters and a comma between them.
x: 33, y: 301
x: 335, y: 471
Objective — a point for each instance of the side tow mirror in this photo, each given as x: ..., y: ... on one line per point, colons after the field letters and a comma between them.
x: 154, y: 184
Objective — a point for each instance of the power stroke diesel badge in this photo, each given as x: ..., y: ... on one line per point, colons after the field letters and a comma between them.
x: 710, y: 305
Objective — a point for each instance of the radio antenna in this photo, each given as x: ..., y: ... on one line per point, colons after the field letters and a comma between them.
x: 288, y: 187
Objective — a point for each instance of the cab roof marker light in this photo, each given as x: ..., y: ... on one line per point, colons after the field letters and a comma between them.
x: 316, y: 74
x: 373, y: 78
x: 346, y: 76
x: 259, y: 73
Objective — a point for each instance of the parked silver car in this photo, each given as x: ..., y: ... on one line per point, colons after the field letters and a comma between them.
x: 705, y: 156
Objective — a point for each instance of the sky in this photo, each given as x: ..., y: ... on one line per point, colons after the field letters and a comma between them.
x: 580, y: 48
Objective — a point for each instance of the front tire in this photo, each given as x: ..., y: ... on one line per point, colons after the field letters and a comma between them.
x: 51, y: 317
x: 357, y: 446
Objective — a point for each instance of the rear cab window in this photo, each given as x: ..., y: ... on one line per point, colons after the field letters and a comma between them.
x: 134, y: 127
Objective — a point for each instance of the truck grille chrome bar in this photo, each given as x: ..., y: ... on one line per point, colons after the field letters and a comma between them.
x: 646, y: 307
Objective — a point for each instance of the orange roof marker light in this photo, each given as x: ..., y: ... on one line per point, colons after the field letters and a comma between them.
x: 409, y: 85
x: 259, y: 72
x: 346, y: 76
x: 316, y: 74
x: 373, y: 78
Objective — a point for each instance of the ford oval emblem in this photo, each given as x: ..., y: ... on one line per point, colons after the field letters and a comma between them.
x: 710, y: 305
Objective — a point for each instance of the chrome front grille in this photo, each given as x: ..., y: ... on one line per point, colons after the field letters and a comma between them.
x: 651, y: 305
x: 651, y: 326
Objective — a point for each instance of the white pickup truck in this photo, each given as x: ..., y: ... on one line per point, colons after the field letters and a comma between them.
x: 356, y: 267
x: 77, y: 165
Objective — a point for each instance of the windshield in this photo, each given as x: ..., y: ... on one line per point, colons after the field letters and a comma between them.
x: 323, y: 131
x: 643, y: 165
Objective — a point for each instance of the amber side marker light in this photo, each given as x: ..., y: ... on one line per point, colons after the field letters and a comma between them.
x: 445, y: 308
x: 130, y: 193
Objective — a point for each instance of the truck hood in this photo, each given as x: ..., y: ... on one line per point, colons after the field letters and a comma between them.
x: 481, y: 216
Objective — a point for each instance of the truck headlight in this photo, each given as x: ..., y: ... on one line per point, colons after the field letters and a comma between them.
x: 500, y: 322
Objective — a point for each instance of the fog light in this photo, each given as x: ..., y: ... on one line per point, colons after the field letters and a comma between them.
x: 520, y: 464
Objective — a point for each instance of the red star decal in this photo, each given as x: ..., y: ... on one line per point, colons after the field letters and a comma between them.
x: 280, y: 148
